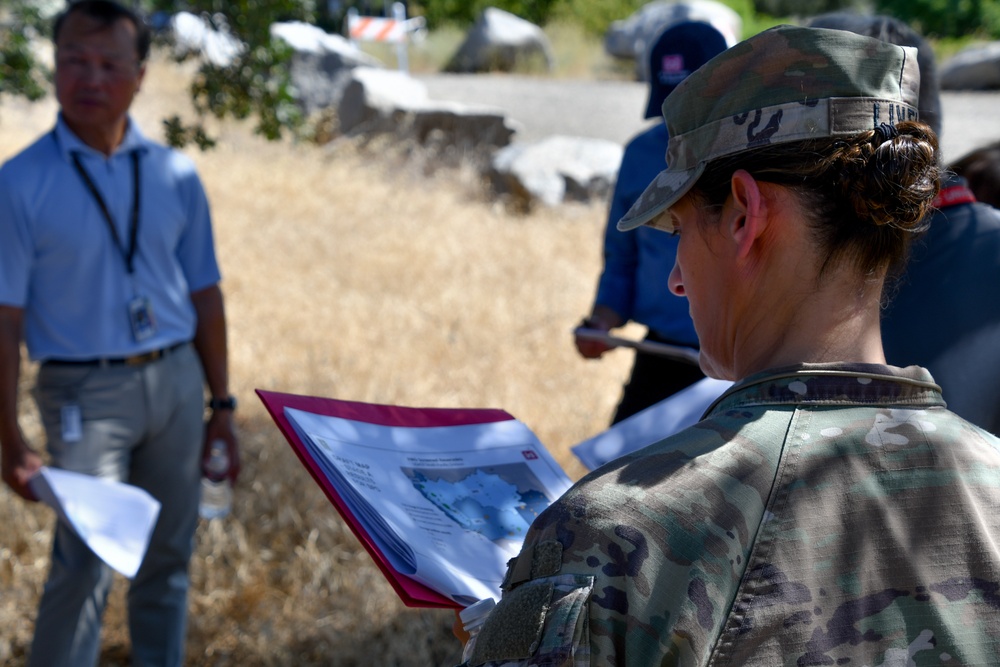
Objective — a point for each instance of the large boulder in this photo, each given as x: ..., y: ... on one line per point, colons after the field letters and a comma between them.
x: 631, y: 38
x: 373, y: 99
x: 556, y: 169
x: 469, y: 128
x: 974, y: 68
x: 377, y: 101
x: 500, y: 41
x: 197, y: 36
x: 320, y: 63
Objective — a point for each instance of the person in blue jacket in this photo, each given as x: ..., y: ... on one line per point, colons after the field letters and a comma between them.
x: 633, y: 285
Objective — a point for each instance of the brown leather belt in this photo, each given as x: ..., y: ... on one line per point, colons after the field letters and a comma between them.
x: 134, y: 360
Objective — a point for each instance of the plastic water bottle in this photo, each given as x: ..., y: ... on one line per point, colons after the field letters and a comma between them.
x: 216, y: 490
x: 473, y: 618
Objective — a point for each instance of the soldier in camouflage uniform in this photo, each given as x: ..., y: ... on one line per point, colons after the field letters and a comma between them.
x: 829, y: 509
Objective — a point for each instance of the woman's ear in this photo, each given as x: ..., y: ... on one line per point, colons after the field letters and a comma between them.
x: 748, y: 214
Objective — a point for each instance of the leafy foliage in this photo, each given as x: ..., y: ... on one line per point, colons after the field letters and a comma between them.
x: 257, y: 83
x: 20, y: 73
x: 946, y: 18
x: 805, y: 7
x: 463, y: 12
x: 596, y: 15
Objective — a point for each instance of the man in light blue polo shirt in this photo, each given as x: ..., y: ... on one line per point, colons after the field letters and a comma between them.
x: 108, y: 274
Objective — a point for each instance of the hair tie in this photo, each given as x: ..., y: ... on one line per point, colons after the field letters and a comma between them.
x: 885, y: 132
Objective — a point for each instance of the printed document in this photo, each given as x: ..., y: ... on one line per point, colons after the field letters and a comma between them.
x: 653, y: 424
x: 447, y: 506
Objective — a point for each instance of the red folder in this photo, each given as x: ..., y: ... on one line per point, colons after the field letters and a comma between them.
x: 412, y: 593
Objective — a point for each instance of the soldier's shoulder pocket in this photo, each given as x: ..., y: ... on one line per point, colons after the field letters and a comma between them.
x: 541, y: 622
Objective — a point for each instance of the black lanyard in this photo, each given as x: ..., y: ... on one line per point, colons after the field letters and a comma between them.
x: 133, y: 243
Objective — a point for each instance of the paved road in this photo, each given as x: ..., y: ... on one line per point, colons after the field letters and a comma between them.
x: 613, y: 109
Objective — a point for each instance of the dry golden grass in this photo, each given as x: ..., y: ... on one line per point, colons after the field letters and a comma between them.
x: 354, y: 275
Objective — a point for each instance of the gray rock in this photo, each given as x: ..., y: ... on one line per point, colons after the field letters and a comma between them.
x: 377, y: 100
x: 500, y: 41
x: 196, y: 36
x: 974, y: 68
x: 373, y: 99
x: 320, y: 63
x: 630, y: 38
x: 556, y: 169
x: 459, y: 126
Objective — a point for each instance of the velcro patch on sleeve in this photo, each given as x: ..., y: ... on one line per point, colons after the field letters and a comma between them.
x: 514, y: 627
x: 546, y: 560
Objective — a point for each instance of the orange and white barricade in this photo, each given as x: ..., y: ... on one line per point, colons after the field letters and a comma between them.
x: 376, y: 29
x: 394, y: 30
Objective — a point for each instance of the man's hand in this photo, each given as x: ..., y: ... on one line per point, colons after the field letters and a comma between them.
x: 458, y: 629
x: 602, y: 319
x: 220, y: 427
x: 20, y: 463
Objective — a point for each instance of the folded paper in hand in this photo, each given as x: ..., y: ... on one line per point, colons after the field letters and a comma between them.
x: 115, y: 520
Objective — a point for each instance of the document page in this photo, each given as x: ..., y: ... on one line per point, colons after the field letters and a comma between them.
x: 114, y: 519
x: 653, y: 424
x: 447, y: 506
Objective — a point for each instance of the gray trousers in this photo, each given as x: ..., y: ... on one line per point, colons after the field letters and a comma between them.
x: 142, y: 425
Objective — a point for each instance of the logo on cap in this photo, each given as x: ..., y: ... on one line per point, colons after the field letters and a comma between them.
x: 672, y: 69
x: 672, y: 63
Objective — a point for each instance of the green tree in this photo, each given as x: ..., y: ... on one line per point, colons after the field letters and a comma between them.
x: 464, y: 12
x: 20, y: 72
x: 946, y: 18
x: 256, y: 83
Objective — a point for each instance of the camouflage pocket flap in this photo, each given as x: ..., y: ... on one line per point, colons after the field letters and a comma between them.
x: 541, y: 622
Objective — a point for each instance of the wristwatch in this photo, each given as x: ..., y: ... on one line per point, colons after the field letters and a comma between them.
x: 227, y: 403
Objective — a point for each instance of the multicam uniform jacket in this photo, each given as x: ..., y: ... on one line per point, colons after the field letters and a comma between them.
x: 819, y: 515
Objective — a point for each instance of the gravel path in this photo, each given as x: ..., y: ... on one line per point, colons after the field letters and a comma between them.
x: 613, y: 109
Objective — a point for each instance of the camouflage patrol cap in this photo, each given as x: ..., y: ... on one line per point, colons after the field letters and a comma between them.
x: 785, y: 84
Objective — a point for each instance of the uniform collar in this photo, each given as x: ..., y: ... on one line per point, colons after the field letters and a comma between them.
x: 954, y: 192
x: 833, y: 384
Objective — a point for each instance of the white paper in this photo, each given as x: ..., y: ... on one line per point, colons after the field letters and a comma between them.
x: 115, y: 520
x: 447, y: 506
x: 656, y: 422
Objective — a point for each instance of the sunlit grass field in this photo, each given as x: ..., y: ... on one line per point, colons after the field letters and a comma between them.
x: 353, y: 274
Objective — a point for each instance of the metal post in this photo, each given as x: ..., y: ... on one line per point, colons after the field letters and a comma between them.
x: 352, y: 14
x: 402, y: 59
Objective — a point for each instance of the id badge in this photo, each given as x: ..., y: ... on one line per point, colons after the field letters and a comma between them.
x: 72, y: 423
x: 140, y: 315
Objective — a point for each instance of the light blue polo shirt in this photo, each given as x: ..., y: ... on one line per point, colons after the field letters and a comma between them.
x: 60, y: 263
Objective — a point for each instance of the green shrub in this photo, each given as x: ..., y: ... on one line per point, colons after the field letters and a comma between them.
x: 462, y: 12
x: 946, y: 18
x: 20, y: 73
x: 595, y: 16
x: 804, y: 7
